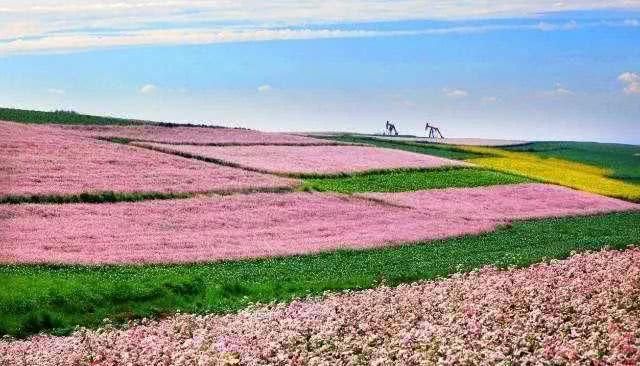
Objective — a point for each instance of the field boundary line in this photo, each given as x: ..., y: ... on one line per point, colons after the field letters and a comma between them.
x: 102, y: 197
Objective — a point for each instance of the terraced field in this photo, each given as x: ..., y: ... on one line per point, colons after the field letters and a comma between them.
x: 292, y: 217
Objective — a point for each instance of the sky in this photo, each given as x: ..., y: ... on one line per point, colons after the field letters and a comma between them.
x: 543, y: 70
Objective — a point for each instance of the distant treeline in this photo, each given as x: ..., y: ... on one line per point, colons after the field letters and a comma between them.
x: 75, y: 118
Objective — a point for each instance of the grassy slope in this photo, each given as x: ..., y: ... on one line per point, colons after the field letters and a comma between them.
x: 623, y: 160
x: 444, y: 151
x: 34, y: 298
x: 61, y: 117
x: 401, y: 181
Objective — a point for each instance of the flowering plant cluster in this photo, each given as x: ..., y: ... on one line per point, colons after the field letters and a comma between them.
x: 270, y: 224
x: 584, y: 310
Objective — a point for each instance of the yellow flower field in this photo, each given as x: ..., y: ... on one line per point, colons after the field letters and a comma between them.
x: 558, y: 171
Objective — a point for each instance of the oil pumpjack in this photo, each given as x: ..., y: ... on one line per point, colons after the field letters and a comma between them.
x: 390, y: 129
x: 433, y: 131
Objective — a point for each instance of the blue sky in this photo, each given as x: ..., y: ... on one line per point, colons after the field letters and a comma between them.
x: 515, y: 70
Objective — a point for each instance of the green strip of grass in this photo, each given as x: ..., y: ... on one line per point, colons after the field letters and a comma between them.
x: 444, y: 151
x: 56, y: 298
x: 624, y: 160
x: 110, y: 197
x: 401, y: 181
x: 93, y: 197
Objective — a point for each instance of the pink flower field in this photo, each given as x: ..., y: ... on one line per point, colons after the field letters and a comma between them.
x: 506, y: 202
x: 39, y: 160
x: 313, y: 159
x: 267, y: 224
x: 581, y: 311
x: 193, y: 135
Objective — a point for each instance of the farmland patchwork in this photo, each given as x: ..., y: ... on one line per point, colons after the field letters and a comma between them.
x: 41, y: 161
x: 266, y: 217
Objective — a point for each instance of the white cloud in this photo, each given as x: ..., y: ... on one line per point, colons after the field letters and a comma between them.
x: 558, y: 91
x: 631, y: 81
x: 455, y: 93
x: 148, y: 89
x: 67, y: 42
x: 489, y: 100
x: 548, y: 27
x: 150, y: 11
x: 264, y: 88
x: 55, y: 91
x: 62, y: 26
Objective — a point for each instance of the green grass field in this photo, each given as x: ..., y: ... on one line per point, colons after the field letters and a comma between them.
x: 57, y: 298
x: 401, y: 181
x: 61, y: 117
x: 623, y: 160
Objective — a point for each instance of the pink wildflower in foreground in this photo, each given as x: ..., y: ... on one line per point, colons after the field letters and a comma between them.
x: 193, y: 135
x: 313, y: 159
x: 581, y: 311
x: 44, y: 161
x: 257, y: 225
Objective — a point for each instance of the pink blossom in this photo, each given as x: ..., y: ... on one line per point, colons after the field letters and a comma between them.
x: 193, y: 135
x: 267, y: 224
x: 580, y: 311
x: 45, y: 161
x: 312, y: 159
